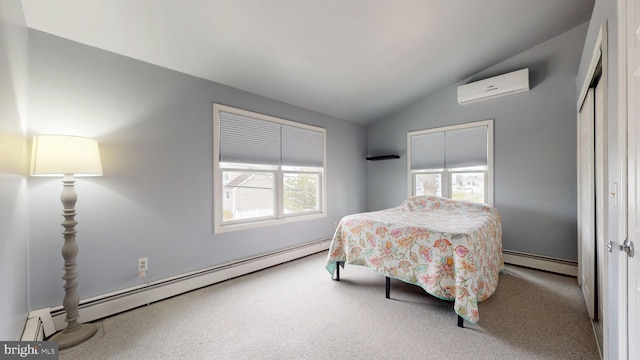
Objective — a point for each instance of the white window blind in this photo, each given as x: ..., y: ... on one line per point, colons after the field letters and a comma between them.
x: 427, y: 151
x: 465, y: 147
x: 248, y: 140
x: 449, y: 149
x: 302, y: 147
x: 244, y: 139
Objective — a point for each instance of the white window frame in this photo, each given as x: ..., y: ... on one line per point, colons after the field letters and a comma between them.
x: 221, y: 226
x: 446, y: 173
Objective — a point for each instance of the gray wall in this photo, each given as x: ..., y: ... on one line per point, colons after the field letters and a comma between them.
x: 534, y: 147
x: 13, y: 159
x: 155, y: 130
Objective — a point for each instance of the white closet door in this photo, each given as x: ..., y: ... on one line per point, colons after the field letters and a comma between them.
x: 601, y: 184
x: 586, y: 201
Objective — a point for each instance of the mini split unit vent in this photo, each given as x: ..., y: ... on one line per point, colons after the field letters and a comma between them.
x: 510, y: 83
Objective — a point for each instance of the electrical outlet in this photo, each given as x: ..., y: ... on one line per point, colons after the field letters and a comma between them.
x: 143, y: 264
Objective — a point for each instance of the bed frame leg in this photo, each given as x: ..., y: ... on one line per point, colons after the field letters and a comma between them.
x: 388, y: 288
x: 338, y: 264
x: 460, y: 321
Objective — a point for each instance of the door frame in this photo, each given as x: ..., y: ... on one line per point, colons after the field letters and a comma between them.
x: 629, y: 60
x: 618, y: 273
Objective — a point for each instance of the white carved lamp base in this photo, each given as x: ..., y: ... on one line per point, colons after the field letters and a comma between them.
x: 68, y: 338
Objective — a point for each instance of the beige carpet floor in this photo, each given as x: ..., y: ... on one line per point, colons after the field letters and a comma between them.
x: 295, y: 311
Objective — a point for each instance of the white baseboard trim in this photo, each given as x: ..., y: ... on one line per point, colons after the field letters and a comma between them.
x: 34, y: 327
x: 44, y: 322
x: 539, y: 262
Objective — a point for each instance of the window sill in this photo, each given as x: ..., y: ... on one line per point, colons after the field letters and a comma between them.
x: 220, y: 229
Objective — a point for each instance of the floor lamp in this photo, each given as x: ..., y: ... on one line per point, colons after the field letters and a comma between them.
x: 68, y: 156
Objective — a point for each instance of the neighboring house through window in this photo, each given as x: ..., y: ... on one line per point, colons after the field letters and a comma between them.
x: 454, y: 162
x: 267, y: 170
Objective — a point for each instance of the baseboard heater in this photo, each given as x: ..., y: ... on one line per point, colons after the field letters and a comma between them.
x: 540, y: 262
x: 45, y: 322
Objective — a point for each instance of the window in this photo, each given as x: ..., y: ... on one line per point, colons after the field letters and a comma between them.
x: 266, y: 170
x: 454, y: 162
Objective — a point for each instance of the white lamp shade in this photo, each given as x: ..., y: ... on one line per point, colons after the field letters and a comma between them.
x: 58, y: 155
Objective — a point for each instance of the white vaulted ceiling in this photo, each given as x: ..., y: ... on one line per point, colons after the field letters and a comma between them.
x: 352, y: 59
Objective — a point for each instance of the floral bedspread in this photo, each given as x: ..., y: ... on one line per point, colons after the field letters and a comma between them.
x: 452, y: 249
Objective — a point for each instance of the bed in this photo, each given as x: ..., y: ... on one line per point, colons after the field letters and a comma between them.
x: 450, y: 248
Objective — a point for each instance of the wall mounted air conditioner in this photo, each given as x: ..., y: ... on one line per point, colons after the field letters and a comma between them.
x: 501, y: 85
